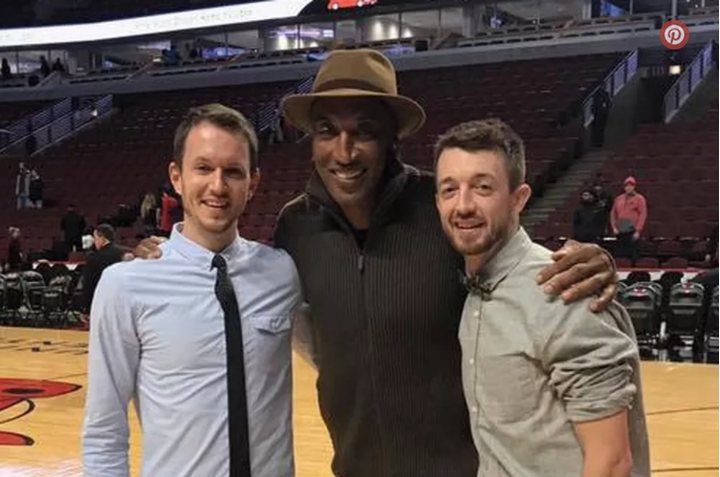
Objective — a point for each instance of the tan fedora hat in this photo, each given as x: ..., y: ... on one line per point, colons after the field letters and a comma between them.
x: 353, y: 74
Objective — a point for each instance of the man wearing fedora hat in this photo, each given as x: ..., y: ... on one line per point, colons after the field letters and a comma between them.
x: 381, y: 280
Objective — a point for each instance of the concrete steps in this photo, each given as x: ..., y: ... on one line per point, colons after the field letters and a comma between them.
x: 580, y: 172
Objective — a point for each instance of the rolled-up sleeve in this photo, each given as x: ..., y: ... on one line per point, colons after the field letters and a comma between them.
x: 589, y: 358
x: 114, y: 355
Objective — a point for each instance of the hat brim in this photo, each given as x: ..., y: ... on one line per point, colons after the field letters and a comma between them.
x: 410, y: 115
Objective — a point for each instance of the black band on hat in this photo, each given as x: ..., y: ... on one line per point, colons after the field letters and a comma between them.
x: 349, y: 83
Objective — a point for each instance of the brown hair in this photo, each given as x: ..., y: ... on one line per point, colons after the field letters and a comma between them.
x: 223, y: 117
x: 487, y: 135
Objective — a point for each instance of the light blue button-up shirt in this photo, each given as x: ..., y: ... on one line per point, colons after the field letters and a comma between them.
x: 157, y: 336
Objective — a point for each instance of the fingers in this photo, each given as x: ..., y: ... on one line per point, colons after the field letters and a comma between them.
x: 608, y: 294
x: 583, y: 272
x: 149, y: 248
x: 568, y: 247
x: 583, y: 288
x: 571, y: 254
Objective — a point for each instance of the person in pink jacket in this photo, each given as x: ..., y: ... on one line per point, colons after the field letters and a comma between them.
x: 627, y: 219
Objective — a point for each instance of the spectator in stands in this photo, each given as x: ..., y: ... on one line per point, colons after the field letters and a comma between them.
x: 530, y: 365
x: 169, y: 205
x: 604, y: 203
x: 278, y: 134
x: 586, y: 219
x: 712, y: 256
x: 192, y: 51
x: 73, y: 225
x: 22, y: 186
x: 16, y: 255
x: 88, y: 240
x: 367, y: 243
x: 36, y: 187
x: 5, y: 72
x: 168, y: 334
x: 600, y: 110
x: 30, y: 142
x: 627, y: 219
x: 58, y: 66
x: 44, y: 67
x: 106, y: 253
x: 149, y: 214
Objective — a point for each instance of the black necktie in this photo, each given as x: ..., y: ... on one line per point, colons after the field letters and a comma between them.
x: 237, y: 398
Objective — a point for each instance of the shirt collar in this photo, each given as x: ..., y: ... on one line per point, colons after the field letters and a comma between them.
x: 500, y: 266
x: 199, y: 254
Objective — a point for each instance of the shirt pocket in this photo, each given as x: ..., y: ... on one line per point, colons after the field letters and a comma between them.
x: 270, y: 340
x: 507, y: 384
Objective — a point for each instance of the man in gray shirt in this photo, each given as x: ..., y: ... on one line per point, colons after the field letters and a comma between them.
x: 552, y: 389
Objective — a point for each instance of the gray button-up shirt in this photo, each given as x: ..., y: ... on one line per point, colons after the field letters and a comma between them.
x: 533, y: 366
x: 157, y: 336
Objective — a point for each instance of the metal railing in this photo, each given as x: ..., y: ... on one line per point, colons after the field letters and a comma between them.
x: 72, y: 121
x: 267, y: 112
x: 21, y: 129
x: 612, y: 84
x: 694, y: 74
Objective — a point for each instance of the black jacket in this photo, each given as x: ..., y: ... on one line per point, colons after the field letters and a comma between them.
x: 385, y: 320
x: 95, y: 265
x: 588, y: 223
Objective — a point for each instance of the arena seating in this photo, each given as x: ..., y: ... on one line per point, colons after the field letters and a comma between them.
x: 529, y: 95
x: 117, y: 162
x: 676, y: 167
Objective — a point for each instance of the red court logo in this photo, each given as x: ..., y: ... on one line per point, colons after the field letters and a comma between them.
x: 674, y: 34
x: 14, y: 392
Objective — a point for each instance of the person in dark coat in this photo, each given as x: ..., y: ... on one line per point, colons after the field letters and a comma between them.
x: 73, y: 225
x: 16, y: 256
x: 587, y: 226
x: 107, y: 253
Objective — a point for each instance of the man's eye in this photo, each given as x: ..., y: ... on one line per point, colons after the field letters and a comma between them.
x: 324, y: 128
x: 235, y: 173
x: 447, y: 191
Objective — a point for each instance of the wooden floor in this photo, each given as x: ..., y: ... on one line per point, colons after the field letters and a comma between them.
x: 681, y: 402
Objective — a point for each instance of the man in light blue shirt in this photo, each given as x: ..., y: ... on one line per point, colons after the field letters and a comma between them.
x: 158, y: 332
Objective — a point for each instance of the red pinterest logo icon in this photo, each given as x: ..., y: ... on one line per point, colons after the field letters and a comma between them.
x: 674, y: 34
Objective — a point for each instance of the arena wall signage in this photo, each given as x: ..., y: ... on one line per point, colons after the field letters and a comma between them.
x: 154, y: 24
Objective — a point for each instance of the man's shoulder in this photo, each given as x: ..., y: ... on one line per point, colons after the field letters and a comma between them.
x: 298, y: 206
x: 548, y: 310
x: 269, y: 257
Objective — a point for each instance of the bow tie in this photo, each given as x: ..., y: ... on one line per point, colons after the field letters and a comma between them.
x: 475, y: 286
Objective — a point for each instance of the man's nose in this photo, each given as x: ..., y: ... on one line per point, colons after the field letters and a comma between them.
x: 465, y: 204
x: 217, y: 180
x: 343, y: 152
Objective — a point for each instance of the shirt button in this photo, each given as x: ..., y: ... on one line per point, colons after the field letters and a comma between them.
x: 474, y: 410
x: 471, y: 361
x: 476, y: 314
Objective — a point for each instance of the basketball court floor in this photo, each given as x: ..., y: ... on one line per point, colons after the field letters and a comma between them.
x: 42, y: 392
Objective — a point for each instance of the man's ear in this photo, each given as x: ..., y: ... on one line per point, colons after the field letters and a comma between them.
x: 521, y: 195
x: 175, y: 173
x: 254, y: 183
